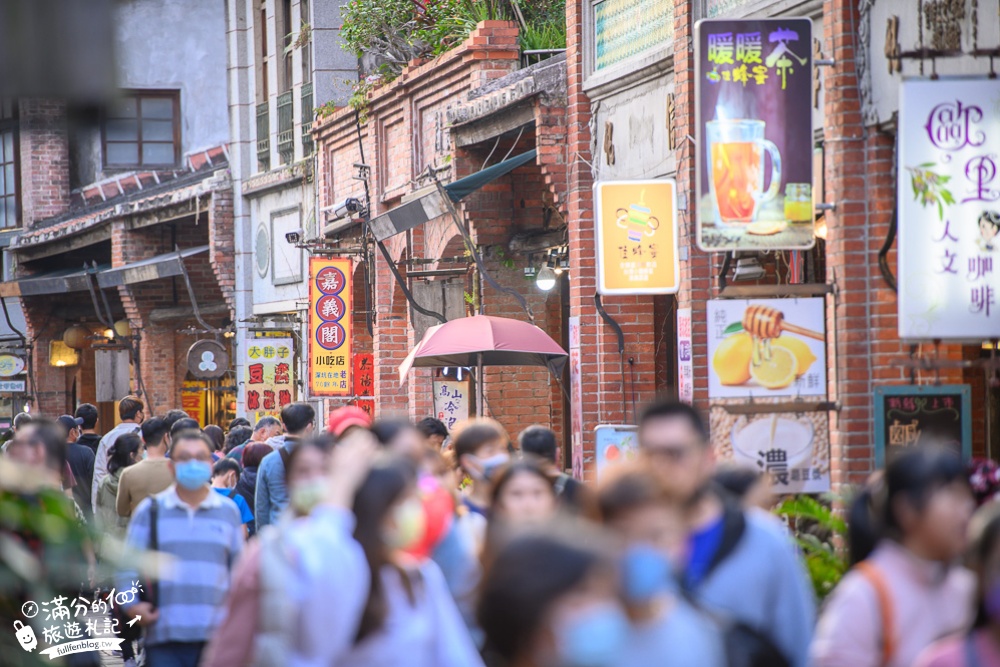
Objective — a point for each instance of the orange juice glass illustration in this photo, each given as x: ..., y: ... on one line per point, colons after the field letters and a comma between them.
x: 736, y: 151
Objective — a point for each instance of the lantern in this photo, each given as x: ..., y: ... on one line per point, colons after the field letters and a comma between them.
x: 123, y: 328
x: 76, y: 337
x: 62, y: 355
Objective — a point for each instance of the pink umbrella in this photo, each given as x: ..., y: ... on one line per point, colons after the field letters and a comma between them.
x: 482, y: 340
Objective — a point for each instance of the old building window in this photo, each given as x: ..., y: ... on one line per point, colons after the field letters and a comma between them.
x: 9, y: 190
x: 143, y: 129
x: 287, y: 32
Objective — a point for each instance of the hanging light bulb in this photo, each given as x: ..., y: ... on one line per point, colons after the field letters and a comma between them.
x: 546, y: 279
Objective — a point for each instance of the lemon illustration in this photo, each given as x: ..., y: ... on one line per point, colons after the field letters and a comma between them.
x: 732, y: 359
x: 777, y: 372
x: 800, y: 349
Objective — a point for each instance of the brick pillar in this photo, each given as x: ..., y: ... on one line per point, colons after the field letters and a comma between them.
x: 44, y: 159
x: 222, y: 242
x: 50, y: 385
x: 392, y: 336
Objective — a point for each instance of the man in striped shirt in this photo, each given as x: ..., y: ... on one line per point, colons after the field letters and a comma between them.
x: 201, y: 533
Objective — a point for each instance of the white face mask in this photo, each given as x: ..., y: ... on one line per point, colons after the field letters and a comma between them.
x: 488, y: 466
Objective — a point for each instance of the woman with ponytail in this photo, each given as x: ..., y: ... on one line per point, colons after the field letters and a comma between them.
x: 907, y: 592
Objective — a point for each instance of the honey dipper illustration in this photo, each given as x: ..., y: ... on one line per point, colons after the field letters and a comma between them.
x: 766, y: 322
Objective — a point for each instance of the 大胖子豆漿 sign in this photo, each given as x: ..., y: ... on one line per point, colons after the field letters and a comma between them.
x: 269, y: 379
x: 753, y: 81
x: 948, y: 194
x: 330, y: 362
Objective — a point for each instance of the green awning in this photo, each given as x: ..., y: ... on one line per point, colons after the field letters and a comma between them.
x: 464, y: 187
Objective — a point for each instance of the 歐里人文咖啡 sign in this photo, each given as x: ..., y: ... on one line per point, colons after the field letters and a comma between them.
x: 948, y: 194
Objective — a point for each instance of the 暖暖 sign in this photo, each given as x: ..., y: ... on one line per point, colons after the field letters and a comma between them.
x: 330, y: 362
x: 948, y: 194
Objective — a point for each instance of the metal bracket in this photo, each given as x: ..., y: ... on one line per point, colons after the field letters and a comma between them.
x: 824, y: 206
x: 825, y: 62
x: 194, y: 300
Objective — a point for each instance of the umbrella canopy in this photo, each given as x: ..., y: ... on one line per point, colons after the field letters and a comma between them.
x: 481, y: 339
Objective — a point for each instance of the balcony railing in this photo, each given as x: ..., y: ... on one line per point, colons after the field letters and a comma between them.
x: 263, y: 137
x: 534, y: 56
x: 286, y: 128
x: 307, y: 119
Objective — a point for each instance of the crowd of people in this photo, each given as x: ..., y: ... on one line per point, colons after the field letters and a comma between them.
x: 393, y: 543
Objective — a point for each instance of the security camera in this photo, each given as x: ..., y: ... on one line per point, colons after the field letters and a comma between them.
x: 294, y: 236
x: 349, y: 205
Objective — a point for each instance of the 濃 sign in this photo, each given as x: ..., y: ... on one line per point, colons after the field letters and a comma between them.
x: 948, y: 193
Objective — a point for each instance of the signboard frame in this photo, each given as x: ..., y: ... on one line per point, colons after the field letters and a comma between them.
x: 343, y: 350
x: 734, y: 234
x: 607, y: 435
x: 603, y: 268
x: 887, y: 391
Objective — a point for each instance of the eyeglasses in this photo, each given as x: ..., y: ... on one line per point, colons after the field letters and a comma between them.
x: 204, y: 458
x: 674, y: 452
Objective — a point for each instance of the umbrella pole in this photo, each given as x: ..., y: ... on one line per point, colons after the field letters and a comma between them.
x: 479, y: 384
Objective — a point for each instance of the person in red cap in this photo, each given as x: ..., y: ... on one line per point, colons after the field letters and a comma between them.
x: 343, y: 419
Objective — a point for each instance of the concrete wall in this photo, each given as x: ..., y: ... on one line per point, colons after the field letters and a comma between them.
x: 175, y: 45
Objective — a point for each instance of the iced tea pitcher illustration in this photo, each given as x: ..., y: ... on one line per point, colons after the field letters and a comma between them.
x: 736, y: 151
x: 637, y: 219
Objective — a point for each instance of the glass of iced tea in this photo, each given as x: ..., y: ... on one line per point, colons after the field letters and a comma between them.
x: 736, y: 151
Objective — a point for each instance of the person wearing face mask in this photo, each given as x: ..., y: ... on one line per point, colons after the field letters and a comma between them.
x: 480, y: 450
x: 262, y: 625
x: 225, y: 474
x: 202, y: 533
x: 980, y: 647
x: 550, y: 599
x: 409, y: 617
x: 666, y: 628
x: 908, y: 592
x: 271, y: 494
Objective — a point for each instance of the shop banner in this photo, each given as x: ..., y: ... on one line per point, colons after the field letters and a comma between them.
x: 364, y: 382
x: 908, y: 415
x: 193, y: 400
x: 576, y: 398
x: 451, y: 401
x: 685, y: 357
x: 754, y: 157
x: 637, y: 237
x: 766, y: 347
x: 269, y: 376
x: 330, y: 362
x: 12, y: 386
x: 792, y: 448
x: 615, y: 444
x: 948, y: 193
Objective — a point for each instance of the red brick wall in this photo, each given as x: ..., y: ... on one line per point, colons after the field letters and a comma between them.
x: 407, y: 131
x: 44, y: 159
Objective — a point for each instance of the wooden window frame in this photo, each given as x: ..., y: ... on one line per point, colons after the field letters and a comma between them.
x: 11, y: 124
x: 173, y: 95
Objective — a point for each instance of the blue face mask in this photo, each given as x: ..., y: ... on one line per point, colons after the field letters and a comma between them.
x: 592, y: 638
x: 192, y: 475
x: 645, y: 573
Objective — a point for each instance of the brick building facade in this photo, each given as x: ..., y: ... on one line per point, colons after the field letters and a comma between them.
x: 451, y: 117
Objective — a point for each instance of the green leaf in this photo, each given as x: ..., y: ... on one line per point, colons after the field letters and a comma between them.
x: 947, y: 196
x: 940, y: 209
x: 925, y: 165
x: 735, y: 327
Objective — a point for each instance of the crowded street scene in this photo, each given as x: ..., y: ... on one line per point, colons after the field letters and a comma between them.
x: 500, y: 333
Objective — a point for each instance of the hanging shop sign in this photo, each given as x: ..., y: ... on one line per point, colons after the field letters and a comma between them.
x: 766, y: 348
x: 330, y: 363
x: 576, y: 398
x: 792, y: 448
x: 269, y: 375
x: 364, y: 382
x: 193, y: 400
x: 637, y: 237
x: 615, y: 444
x: 754, y: 161
x: 11, y: 365
x: 685, y: 357
x: 948, y: 193
x: 207, y: 360
x: 451, y: 401
x: 12, y: 386
x: 908, y: 415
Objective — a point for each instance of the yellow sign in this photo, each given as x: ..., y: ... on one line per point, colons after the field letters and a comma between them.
x: 637, y: 237
x: 330, y: 327
x: 269, y: 381
x: 193, y: 400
